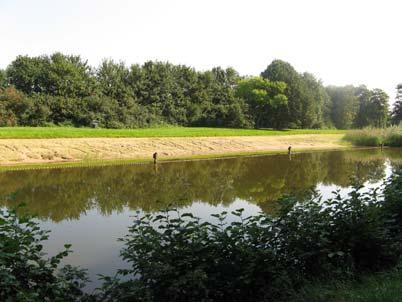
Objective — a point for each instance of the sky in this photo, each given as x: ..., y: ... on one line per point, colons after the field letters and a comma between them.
x: 339, y: 41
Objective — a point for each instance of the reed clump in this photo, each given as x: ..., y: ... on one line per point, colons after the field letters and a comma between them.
x: 375, y: 137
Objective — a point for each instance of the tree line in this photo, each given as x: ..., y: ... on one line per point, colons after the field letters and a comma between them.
x: 65, y: 90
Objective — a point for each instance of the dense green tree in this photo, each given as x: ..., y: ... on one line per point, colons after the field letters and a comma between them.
x: 69, y: 76
x: 397, y: 109
x: 306, y: 95
x: 3, y: 79
x: 13, y: 104
x: 218, y: 102
x: 358, y: 107
x: 58, y: 74
x: 26, y: 73
x: 327, y: 111
x: 162, y: 87
x: 362, y: 118
x: 313, y: 99
x: 267, y: 102
x: 113, y: 80
x: 378, y: 113
x: 38, y: 111
x: 282, y: 71
x: 344, y: 105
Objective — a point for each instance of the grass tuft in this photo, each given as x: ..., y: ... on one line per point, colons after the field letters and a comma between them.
x: 384, y: 287
x: 373, y: 137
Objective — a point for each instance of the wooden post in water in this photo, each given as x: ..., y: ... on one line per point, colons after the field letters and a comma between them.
x: 155, y: 157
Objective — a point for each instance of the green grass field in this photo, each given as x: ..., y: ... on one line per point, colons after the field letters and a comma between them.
x: 67, y: 132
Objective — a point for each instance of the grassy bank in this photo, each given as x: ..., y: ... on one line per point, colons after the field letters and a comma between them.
x: 384, y: 287
x: 67, y: 132
x: 373, y: 137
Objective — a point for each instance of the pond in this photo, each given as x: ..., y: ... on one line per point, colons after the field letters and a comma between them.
x: 91, y: 207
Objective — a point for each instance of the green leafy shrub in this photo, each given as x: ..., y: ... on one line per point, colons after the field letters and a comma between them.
x: 393, y: 205
x: 178, y: 257
x: 25, y: 275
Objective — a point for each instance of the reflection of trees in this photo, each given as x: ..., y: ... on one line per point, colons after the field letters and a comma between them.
x: 66, y: 193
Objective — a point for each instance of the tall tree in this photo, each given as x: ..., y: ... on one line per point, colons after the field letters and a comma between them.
x: 267, y: 102
x: 27, y: 73
x: 13, y: 105
x: 113, y: 79
x: 344, y: 105
x: 397, y: 110
x: 69, y: 76
x: 313, y: 99
x: 306, y: 95
x: 3, y: 79
x: 219, y: 103
x: 58, y: 74
x: 363, y: 118
x: 327, y: 111
x: 282, y: 71
x: 378, y: 113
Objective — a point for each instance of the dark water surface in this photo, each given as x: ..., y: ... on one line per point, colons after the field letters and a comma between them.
x: 92, y: 207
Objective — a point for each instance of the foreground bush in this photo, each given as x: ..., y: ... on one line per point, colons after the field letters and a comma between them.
x: 177, y: 257
x: 373, y: 137
x: 25, y: 275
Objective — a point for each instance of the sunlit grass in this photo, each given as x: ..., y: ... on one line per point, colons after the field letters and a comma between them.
x: 375, y: 137
x: 67, y: 132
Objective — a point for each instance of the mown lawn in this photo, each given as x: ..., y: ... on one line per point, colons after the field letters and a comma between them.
x: 68, y: 132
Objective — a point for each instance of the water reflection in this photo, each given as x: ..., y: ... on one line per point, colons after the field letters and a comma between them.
x: 68, y: 193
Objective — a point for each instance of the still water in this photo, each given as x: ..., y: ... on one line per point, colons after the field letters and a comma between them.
x: 91, y: 207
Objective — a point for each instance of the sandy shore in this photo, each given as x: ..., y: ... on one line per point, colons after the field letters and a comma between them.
x: 32, y: 151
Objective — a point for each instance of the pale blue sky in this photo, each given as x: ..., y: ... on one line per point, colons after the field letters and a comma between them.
x: 341, y: 41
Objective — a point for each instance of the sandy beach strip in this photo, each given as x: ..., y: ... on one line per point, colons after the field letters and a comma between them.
x: 32, y: 151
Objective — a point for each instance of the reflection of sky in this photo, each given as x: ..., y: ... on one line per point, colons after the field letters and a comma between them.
x: 327, y: 190
x: 94, y: 236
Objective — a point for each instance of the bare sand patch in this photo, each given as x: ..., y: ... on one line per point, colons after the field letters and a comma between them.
x: 31, y: 151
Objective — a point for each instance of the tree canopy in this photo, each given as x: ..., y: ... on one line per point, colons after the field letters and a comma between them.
x: 358, y: 107
x: 306, y: 95
x: 397, y: 109
x: 268, y: 105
